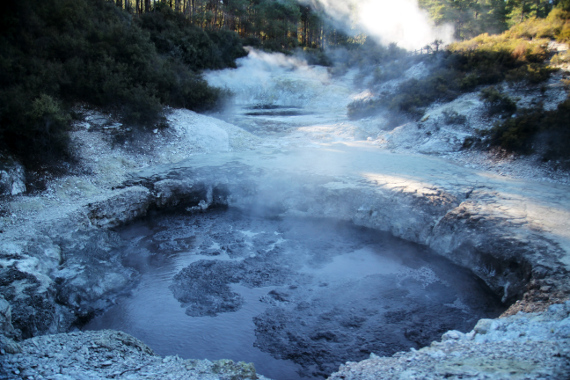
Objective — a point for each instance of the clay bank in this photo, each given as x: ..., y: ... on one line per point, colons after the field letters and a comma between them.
x: 59, y: 267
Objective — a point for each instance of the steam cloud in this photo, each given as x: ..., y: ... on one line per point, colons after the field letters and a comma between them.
x: 387, y: 21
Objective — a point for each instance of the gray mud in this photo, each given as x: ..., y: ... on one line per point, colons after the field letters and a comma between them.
x: 298, y: 297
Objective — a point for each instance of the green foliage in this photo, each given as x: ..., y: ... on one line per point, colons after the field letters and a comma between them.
x: 229, y: 47
x: 555, y: 26
x: 275, y: 22
x: 510, y: 49
x: 555, y: 130
x: 414, y: 95
x: 562, y: 58
x: 273, y: 25
x: 564, y: 5
x: 483, y: 60
x: 453, y: 117
x: 175, y: 37
x: 564, y: 35
x: 505, y: 57
x: 54, y: 53
x: 473, y: 17
x: 534, y: 130
x: 36, y: 131
x: 316, y: 57
x: 516, y: 134
x: 520, y: 10
x: 497, y: 102
x: 469, y: 17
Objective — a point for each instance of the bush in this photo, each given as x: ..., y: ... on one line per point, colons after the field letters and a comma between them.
x: 555, y: 132
x: 54, y: 53
x: 175, y: 37
x: 534, y: 130
x: 453, y: 117
x: 316, y: 57
x: 564, y: 35
x: 370, y: 56
x: 562, y: 58
x: 516, y: 134
x: 36, y: 131
x: 497, y: 102
x: 554, y: 26
x: 483, y: 60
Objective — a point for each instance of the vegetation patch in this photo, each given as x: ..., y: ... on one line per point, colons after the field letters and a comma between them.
x: 55, y: 53
x: 497, y: 103
x: 535, y: 131
x: 176, y: 38
x: 484, y: 60
x: 556, y: 26
x: 462, y: 67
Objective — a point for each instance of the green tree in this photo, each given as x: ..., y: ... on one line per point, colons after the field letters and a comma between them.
x: 520, y: 10
x: 470, y: 17
x: 564, y: 4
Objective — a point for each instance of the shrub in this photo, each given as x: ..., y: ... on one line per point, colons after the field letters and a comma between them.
x: 316, y: 57
x: 564, y: 35
x: 453, y: 117
x: 534, y: 130
x: 54, y: 53
x: 389, y: 61
x: 516, y: 134
x: 497, y: 102
x: 554, y: 26
x: 175, y: 37
x: 414, y: 95
x: 483, y: 60
x: 561, y: 58
x: 363, y: 108
x: 555, y: 131
x: 35, y: 130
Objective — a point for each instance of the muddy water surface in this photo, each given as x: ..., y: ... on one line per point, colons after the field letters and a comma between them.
x: 297, y: 297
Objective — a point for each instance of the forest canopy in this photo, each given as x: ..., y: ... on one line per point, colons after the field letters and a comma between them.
x: 473, y: 17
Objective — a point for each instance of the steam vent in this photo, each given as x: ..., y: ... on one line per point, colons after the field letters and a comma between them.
x: 331, y: 201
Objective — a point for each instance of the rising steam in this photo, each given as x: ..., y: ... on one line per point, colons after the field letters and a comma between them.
x: 387, y: 21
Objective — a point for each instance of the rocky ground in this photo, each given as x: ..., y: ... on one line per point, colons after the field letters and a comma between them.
x: 506, y: 219
x: 110, y: 355
x: 523, y: 346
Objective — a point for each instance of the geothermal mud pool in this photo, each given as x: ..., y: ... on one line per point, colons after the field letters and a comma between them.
x: 297, y: 297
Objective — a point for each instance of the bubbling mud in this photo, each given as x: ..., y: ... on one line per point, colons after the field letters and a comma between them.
x: 297, y: 297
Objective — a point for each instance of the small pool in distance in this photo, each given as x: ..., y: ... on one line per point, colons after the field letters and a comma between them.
x: 297, y: 297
